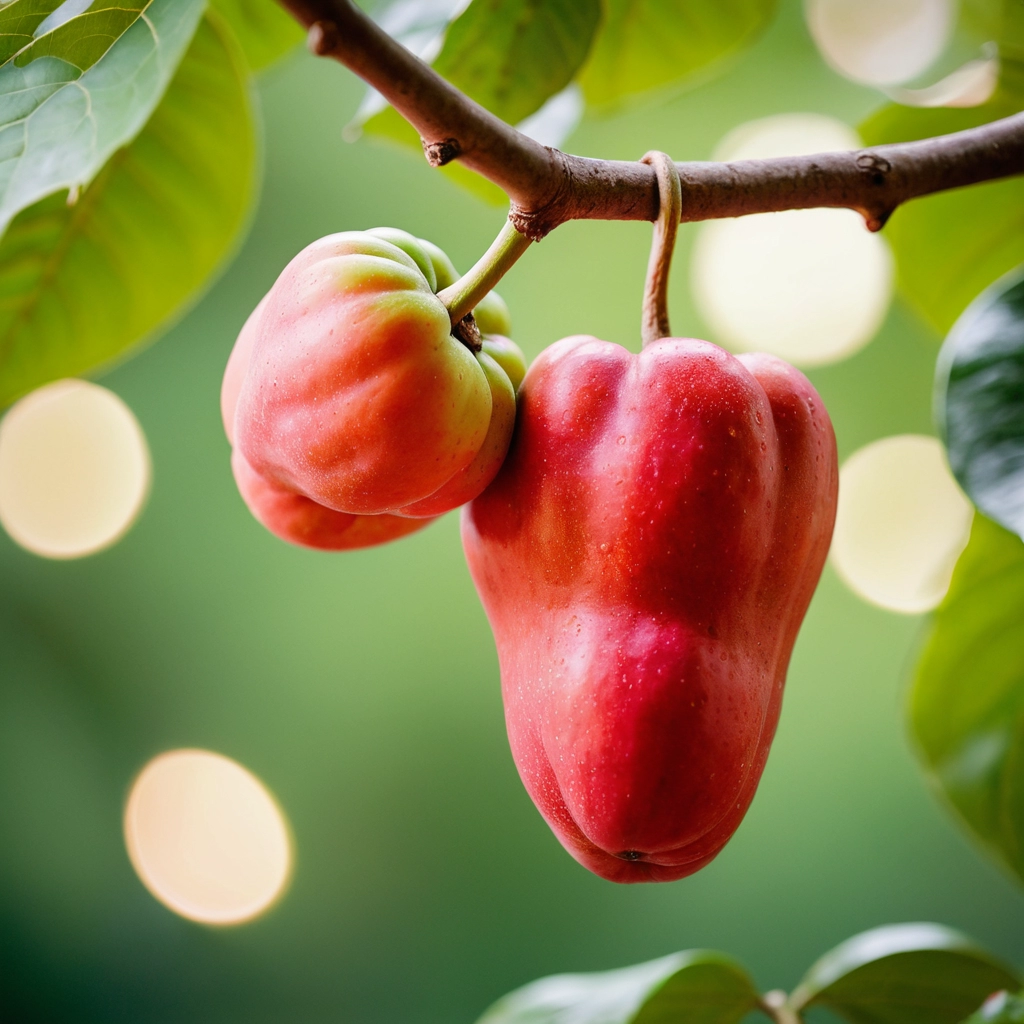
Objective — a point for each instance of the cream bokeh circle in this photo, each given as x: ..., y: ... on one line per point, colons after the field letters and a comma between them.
x: 786, y: 135
x: 206, y: 837
x: 811, y: 286
x: 74, y: 469
x: 901, y: 523
x: 880, y: 42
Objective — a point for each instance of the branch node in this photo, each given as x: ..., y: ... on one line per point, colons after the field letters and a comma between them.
x: 874, y: 166
x: 877, y: 219
x: 530, y: 224
x: 440, y: 153
x: 322, y: 38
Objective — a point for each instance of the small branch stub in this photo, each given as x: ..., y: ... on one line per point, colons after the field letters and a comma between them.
x: 655, y: 323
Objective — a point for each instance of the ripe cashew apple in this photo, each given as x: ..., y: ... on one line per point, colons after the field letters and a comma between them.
x: 645, y: 557
x: 347, y: 396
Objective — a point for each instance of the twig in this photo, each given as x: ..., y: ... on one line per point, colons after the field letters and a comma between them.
x: 547, y: 187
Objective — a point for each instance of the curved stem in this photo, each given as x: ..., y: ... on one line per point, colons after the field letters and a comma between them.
x: 774, y: 1005
x: 654, y: 323
x: 461, y: 297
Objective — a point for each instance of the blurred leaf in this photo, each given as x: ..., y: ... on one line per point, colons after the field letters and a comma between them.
x: 695, y: 987
x: 647, y: 44
x: 491, y: 53
x: 967, y: 702
x: 60, y: 123
x: 511, y: 56
x: 80, y: 284
x: 903, y: 974
x: 998, y: 20
x: 419, y: 26
x: 980, y: 402
x: 389, y: 124
x: 265, y: 30
x: 1001, y: 1008
x: 952, y: 245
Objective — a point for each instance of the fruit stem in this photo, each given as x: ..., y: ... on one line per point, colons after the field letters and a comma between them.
x: 461, y: 297
x: 654, y: 323
x: 775, y: 1005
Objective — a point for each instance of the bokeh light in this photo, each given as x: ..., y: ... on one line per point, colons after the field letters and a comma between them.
x: 811, y: 286
x: 969, y: 85
x: 880, y: 42
x: 206, y: 837
x: 901, y: 524
x: 74, y: 469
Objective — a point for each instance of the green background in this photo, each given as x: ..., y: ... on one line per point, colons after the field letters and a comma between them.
x: 363, y: 687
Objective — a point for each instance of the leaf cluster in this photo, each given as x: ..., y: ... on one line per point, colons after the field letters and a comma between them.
x: 900, y: 974
x: 129, y: 167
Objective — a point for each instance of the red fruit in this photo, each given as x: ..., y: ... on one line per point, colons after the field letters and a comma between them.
x: 357, y: 395
x: 300, y: 520
x: 646, y: 556
x: 287, y: 514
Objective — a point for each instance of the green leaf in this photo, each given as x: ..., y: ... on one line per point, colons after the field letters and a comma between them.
x: 1001, y: 1008
x: 80, y: 284
x: 264, y: 29
x: 696, y: 987
x: 650, y: 44
x: 967, y: 702
x: 19, y: 21
x: 511, y: 56
x: 952, y: 245
x: 903, y: 974
x: 59, y: 124
x: 980, y: 402
x: 83, y: 39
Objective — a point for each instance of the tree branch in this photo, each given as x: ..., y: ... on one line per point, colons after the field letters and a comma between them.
x: 547, y: 187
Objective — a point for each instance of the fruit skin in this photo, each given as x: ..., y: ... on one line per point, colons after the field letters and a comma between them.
x: 291, y: 516
x: 300, y: 520
x: 508, y: 355
x: 645, y: 557
x: 492, y: 315
x: 355, y: 394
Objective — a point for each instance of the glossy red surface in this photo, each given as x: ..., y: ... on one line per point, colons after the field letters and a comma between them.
x: 646, y: 556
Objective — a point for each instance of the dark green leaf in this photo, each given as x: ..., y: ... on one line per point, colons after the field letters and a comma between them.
x: 264, y: 28
x: 1001, y: 1008
x: 59, y: 124
x: 650, y: 44
x: 19, y: 21
x: 80, y: 284
x: 83, y: 39
x: 967, y: 702
x: 511, y: 56
x: 980, y: 402
x: 695, y: 987
x: 952, y: 245
x: 903, y: 974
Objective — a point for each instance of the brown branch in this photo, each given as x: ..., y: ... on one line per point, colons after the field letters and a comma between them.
x: 547, y: 187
